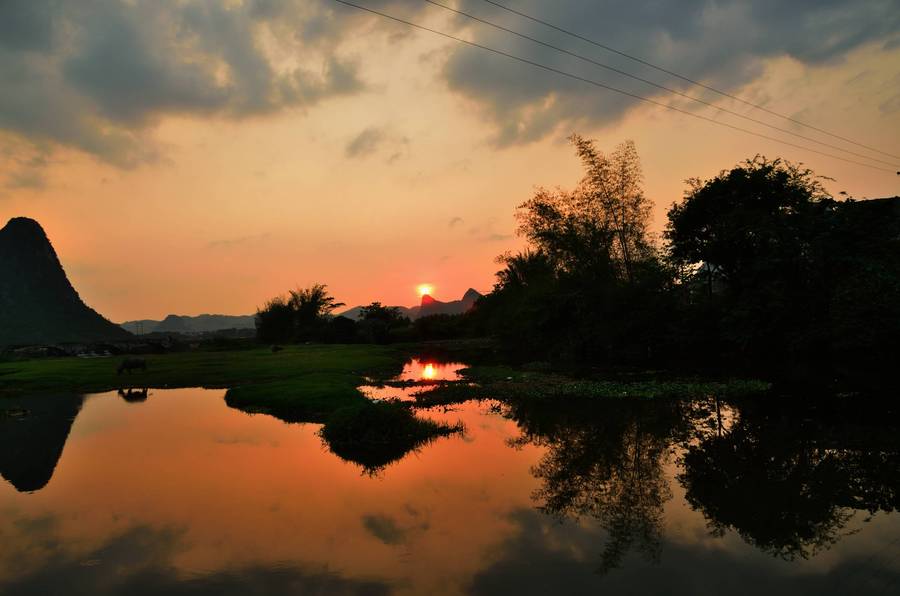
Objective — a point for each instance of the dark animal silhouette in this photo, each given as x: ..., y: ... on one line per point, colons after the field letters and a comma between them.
x: 130, y: 364
x: 276, y: 349
x: 134, y: 396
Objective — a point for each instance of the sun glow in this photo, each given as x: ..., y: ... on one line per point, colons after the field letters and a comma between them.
x: 424, y: 289
x: 429, y: 372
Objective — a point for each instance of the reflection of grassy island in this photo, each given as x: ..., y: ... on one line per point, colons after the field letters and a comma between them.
x: 375, y: 434
x: 308, y: 383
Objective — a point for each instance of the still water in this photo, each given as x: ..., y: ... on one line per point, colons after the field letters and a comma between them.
x: 173, y: 492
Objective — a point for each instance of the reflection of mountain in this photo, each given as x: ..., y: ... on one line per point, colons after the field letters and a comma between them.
x: 33, y: 432
x: 38, y: 305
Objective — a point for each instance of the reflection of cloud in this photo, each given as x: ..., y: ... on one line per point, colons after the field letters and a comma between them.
x: 392, y: 531
x: 547, y: 557
x: 139, y: 562
x: 384, y: 528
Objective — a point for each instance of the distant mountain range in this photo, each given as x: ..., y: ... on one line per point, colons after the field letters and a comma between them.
x: 38, y: 305
x: 190, y: 325
x: 429, y: 306
x: 213, y: 323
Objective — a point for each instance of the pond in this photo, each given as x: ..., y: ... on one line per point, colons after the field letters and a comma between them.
x: 172, y: 491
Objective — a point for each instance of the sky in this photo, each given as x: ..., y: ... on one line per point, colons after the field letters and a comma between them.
x: 202, y: 156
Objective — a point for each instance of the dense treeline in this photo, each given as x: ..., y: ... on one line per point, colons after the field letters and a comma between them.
x: 305, y: 315
x: 759, y: 271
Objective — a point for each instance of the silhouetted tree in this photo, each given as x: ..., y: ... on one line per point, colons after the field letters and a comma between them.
x: 275, y: 321
x: 301, y: 316
x: 377, y: 321
x: 781, y: 277
x: 590, y: 288
x: 602, y: 223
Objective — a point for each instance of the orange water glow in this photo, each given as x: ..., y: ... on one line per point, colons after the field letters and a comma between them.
x: 428, y: 372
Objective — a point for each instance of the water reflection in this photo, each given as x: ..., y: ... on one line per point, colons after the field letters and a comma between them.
x: 134, y: 396
x: 184, y: 495
x: 790, y: 484
x: 33, y: 432
x: 605, y: 461
x: 416, y: 374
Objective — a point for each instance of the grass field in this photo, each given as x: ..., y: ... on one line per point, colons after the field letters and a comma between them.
x: 304, y: 382
x: 308, y: 383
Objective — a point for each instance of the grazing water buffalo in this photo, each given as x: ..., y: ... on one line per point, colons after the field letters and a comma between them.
x: 130, y: 364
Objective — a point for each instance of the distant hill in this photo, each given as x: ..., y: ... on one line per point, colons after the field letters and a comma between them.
x: 356, y: 312
x: 38, y: 305
x: 190, y: 325
x: 428, y: 307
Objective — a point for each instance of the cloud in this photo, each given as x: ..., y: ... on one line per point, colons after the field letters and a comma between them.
x: 254, y: 240
x: 98, y: 76
x: 23, y: 172
x: 485, y: 232
x: 723, y: 44
x: 365, y: 143
x: 370, y: 140
x: 455, y: 222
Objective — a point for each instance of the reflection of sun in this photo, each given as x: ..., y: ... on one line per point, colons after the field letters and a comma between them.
x: 428, y: 372
x: 425, y: 289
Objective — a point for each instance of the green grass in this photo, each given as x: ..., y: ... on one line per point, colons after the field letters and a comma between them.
x: 510, y: 384
x: 316, y: 372
x: 307, y: 398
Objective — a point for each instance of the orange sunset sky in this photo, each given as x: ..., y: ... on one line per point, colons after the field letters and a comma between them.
x: 195, y: 157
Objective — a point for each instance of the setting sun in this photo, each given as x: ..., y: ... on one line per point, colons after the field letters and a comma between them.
x: 424, y: 289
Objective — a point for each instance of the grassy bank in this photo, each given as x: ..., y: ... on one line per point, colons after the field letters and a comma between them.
x: 335, y: 369
x: 514, y: 384
x: 323, y: 376
x: 308, y: 383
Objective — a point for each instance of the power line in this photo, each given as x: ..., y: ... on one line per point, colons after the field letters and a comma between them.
x: 686, y: 79
x: 653, y: 84
x: 604, y: 86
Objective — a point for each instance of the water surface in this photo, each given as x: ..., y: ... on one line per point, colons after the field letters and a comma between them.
x: 174, y: 492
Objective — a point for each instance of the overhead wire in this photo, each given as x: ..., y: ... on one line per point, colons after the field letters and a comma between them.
x: 685, y: 78
x: 602, y: 85
x: 654, y: 84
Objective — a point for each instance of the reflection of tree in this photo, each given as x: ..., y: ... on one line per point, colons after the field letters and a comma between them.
x: 604, y: 461
x: 789, y: 486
